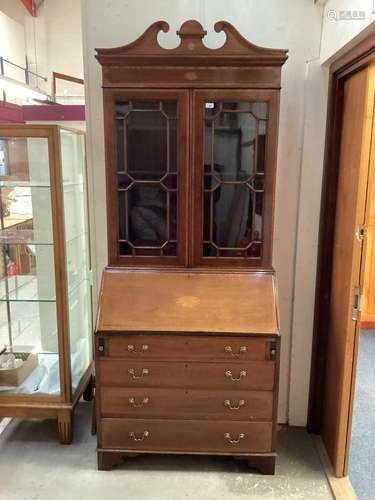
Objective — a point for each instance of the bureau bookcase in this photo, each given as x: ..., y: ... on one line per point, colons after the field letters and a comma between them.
x: 187, y: 338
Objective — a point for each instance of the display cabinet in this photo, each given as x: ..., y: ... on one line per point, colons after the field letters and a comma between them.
x: 45, y: 281
x: 187, y: 337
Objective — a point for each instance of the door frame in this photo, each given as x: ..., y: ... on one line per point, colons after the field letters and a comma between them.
x: 357, y: 58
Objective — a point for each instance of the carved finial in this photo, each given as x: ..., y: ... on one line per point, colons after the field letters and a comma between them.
x: 191, y: 29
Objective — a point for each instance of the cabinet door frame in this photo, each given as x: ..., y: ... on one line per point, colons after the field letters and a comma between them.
x: 110, y: 97
x: 198, y: 99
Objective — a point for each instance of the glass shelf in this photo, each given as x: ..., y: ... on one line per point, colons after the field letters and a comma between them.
x: 12, y: 183
x: 26, y: 288
x: 25, y: 237
x: 5, y: 184
x: 33, y: 237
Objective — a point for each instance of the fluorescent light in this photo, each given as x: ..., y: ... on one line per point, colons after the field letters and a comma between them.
x: 20, y: 89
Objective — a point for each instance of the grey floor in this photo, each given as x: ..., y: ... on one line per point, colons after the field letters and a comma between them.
x: 33, y: 466
x: 362, y: 448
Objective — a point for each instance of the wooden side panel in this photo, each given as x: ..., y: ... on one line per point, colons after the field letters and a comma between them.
x: 347, y: 255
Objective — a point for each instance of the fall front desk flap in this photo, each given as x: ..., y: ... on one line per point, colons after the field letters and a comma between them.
x: 164, y: 301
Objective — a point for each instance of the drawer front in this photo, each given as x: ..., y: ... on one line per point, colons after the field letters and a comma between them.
x: 256, y: 376
x: 186, y: 435
x: 180, y: 403
x: 188, y: 348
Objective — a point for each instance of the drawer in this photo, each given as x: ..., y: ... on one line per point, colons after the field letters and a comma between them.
x: 256, y: 375
x: 186, y: 435
x: 188, y: 348
x: 180, y: 403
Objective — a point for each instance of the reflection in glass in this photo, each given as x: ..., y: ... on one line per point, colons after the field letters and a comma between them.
x: 28, y: 323
x: 77, y: 252
x: 234, y: 167
x: 147, y: 177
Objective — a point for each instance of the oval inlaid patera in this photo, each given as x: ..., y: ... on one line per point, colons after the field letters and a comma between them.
x: 188, y: 301
x: 191, y: 75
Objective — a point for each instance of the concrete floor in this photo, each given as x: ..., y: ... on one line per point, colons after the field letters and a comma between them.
x: 34, y: 466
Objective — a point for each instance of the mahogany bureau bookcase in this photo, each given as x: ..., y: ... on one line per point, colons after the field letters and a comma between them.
x: 187, y: 339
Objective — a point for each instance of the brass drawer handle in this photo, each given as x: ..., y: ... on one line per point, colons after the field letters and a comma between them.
x: 229, y: 438
x: 144, y: 373
x: 139, y: 404
x: 241, y: 350
x: 131, y: 348
x: 134, y: 437
x: 229, y: 374
x: 232, y: 406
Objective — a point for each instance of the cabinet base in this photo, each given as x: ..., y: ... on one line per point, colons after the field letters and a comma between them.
x: 263, y: 463
x: 65, y: 425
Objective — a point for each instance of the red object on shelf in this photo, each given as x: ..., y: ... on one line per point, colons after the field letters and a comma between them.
x: 30, y: 6
x: 13, y: 270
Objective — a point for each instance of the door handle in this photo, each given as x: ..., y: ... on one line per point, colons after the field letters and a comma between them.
x: 232, y: 406
x: 229, y: 438
x: 143, y: 373
x: 229, y: 374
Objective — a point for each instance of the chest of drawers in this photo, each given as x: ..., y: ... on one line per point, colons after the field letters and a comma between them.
x: 187, y: 363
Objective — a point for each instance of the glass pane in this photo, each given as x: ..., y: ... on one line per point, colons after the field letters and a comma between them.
x: 80, y: 331
x: 28, y: 324
x: 146, y: 145
x: 147, y: 222
x: 30, y: 273
x: 234, y: 165
x: 77, y: 252
x: 24, y: 161
x: 147, y: 177
x: 31, y: 326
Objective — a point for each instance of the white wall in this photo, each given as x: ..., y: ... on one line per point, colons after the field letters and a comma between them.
x: 340, y: 33
x: 53, y: 42
x: 12, y: 46
x: 316, y: 87
x: 63, y: 41
x: 290, y: 24
x: 34, y: 38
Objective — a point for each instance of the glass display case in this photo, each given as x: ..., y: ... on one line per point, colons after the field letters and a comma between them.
x: 45, y: 275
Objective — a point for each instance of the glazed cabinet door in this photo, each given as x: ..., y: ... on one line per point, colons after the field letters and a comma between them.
x: 235, y: 144
x: 147, y: 170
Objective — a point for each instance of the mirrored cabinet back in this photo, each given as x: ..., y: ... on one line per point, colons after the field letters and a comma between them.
x: 187, y: 337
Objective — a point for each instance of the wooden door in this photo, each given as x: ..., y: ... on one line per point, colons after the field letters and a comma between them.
x: 147, y: 176
x: 235, y: 144
x: 348, y: 264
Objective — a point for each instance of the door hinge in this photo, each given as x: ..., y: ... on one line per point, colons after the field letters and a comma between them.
x: 356, y: 315
x: 361, y: 232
